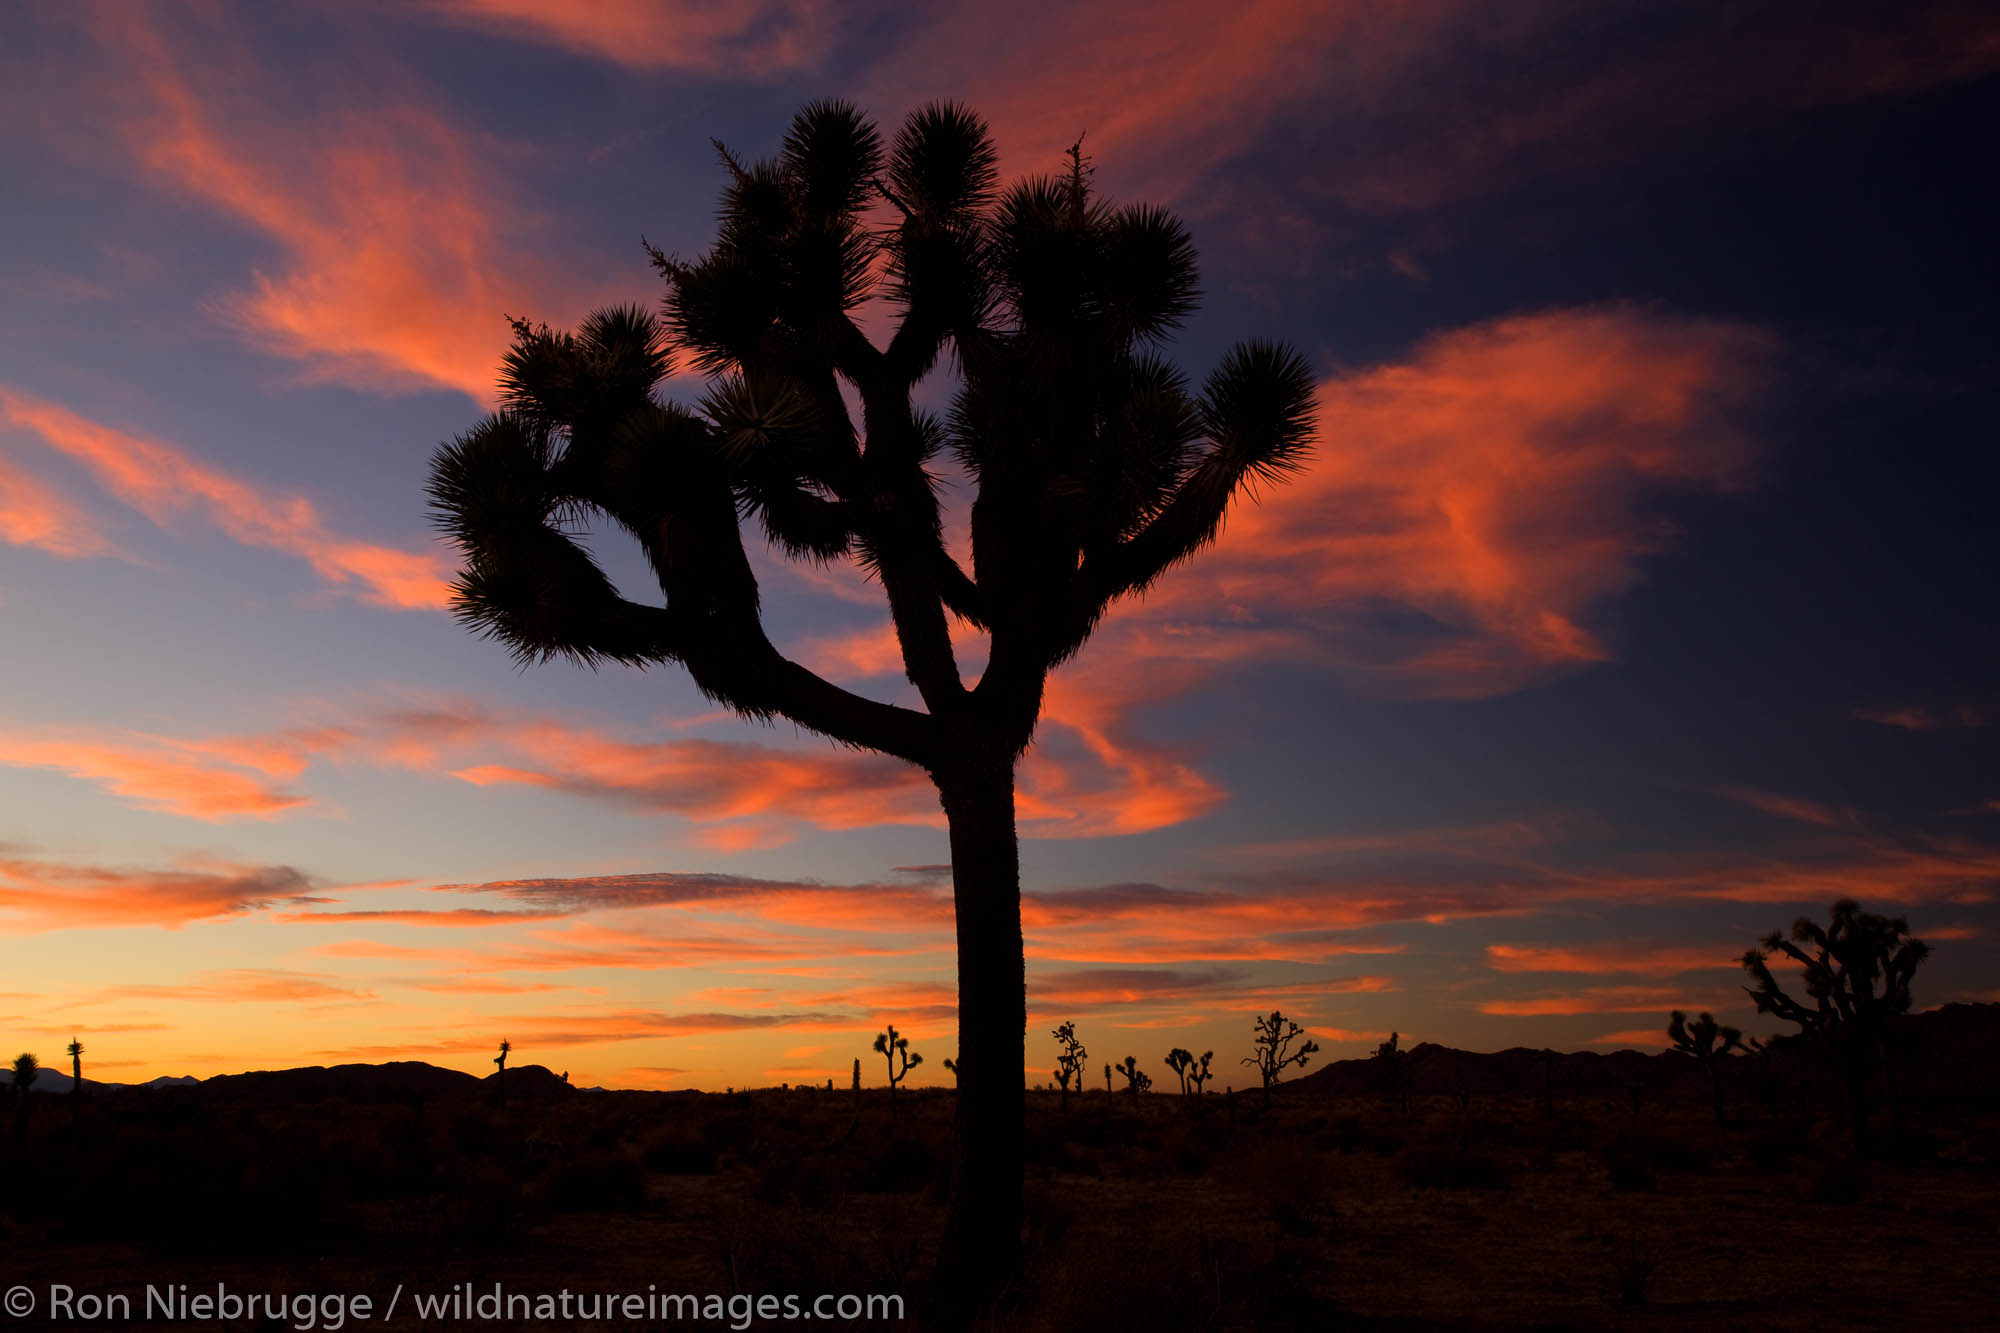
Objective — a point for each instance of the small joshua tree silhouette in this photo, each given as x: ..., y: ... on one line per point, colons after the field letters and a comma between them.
x: 1393, y: 1061
x: 1178, y: 1060
x: 951, y: 1066
x: 500, y: 1064
x: 1069, y: 1061
x: 1137, y: 1080
x: 1107, y: 1085
x: 26, y: 1070
x: 75, y: 1067
x: 891, y: 1048
x: 1857, y: 978
x: 1706, y: 1042
x: 1198, y: 1073
x: 1193, y: 1072
x: 1274, y: 1051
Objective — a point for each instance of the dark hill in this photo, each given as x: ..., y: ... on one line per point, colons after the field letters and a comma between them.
x: 397, y: 1081
x: 1951, y: 1052
x: 531, y: 1083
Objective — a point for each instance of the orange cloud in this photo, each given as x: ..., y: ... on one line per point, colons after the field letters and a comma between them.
x: 43, y: 895
x: 156, y: 773
x: 718, y: 780
x: 1468, y: 507
x: 1608, y: 958
x: 162, y: 482
x: 1919, y: 717
x: 1162, y: 91
x: 1633, y: 1038
x: 1596, y: 1000
x: 32, y: 513
x: 395, y: 272
x: 1787, y: 807
x: 755, y: 37
x: 250, y: 985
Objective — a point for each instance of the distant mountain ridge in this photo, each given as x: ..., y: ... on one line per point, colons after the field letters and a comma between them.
x: 50, y: 1080
x: 1955, y: 1049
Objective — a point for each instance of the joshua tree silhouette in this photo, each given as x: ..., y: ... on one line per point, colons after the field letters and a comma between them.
x: 26, y: 1070
x: 1707, y: 1043
x: 951, y: 1067
x: 500, y: 1065
x: 1069, y: 1060
x: 1394, y: 1063
x: 1137, y: 1080
x: 1274, y: 1051
x: 75, y: 1067
x: 1857, y: 977
x: 892, y: 1047
x: 1193, y: 1072
x: 1095, y: 467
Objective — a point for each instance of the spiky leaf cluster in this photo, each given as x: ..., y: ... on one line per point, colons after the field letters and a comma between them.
x: 1097, y: 465
x: 1855, y: 971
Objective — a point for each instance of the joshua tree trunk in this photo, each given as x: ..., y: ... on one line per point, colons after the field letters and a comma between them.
x: 983, y: 1233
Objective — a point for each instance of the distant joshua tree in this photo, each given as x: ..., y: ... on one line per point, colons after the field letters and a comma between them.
x: 951, y: 1067
x: 1107, y: 1085
x: 500, y: 1064
x: 1137, y: 1080
x: 1857, y: 977
x: 75, y: 1067
x: 26, y: 1070
x: 1705, y: 1042
x: 1193, y: 1072
x: 892, y: 1047
x: 1069, y: 1061
x: 1274, y: 1051
x: 1394, y: 1062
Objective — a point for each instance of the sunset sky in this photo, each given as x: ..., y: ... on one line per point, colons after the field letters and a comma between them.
x: 1638, y: 598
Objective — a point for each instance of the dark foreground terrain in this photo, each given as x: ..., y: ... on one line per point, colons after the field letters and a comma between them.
x: 1519, y: 1190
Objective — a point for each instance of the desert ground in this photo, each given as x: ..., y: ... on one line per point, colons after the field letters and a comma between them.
x: 1516, y: 1191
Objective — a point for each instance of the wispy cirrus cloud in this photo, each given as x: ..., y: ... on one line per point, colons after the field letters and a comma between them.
x: 38, y: 895
x: 1609, y: 959
x: 252, y: 986
x: 165, y: 483
x: 753, y: 38
x: 192, y: 779
x: 1468, y: 507
x: 34, y: 513
x: 394, y: 269
x: 1931, y: 717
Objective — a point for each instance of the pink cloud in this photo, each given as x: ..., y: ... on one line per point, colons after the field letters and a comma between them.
x: 754, y: 37
x: 163, y: 482
x: 33, y: 513
x: 41, y: 895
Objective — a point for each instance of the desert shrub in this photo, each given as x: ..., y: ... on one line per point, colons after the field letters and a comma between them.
x: 1772, y: 1147
x: 1657, y: 1150
x: 1837, y: 1181
x: 482, y: 1207
x: 605, y: 1182
x: 1629, y: 1172
x: 1452, y: 1166
x: 680, y: 1152
x: 904, y: 1166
